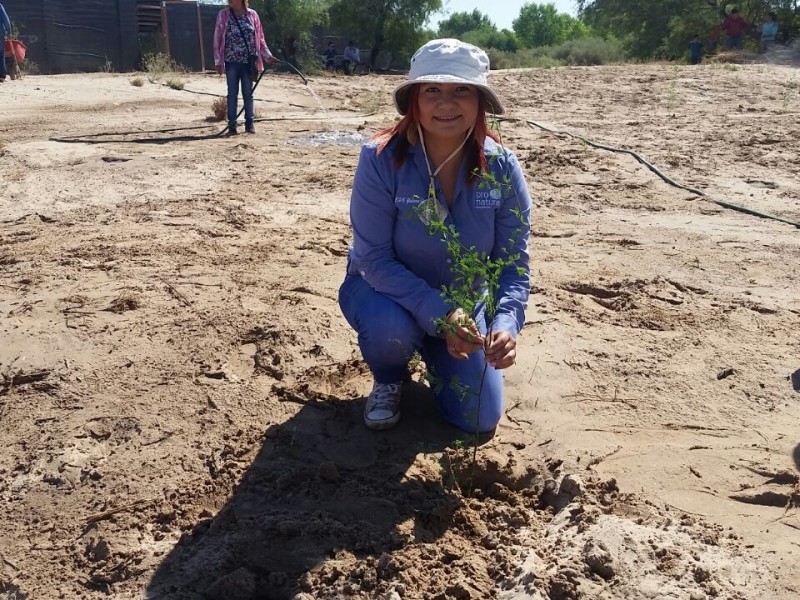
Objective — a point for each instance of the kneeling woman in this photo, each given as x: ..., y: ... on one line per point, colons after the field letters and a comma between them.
x: 392, y: 294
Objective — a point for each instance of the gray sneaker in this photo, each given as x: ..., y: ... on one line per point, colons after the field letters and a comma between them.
x: 383, y: 406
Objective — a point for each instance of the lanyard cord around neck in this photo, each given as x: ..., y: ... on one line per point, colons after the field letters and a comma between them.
x: 432, y: 174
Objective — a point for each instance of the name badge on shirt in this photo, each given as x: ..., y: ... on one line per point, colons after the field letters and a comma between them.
x: 407, y: 199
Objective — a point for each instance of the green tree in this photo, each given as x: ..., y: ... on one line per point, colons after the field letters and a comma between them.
x: 641, y: 25
x: 476, y: 28
x: 287, y: 25
x: 394, y: 25
x: 504, y: 40
x: 542, y: 25
x: 459, y: 23
x: 650, y: 28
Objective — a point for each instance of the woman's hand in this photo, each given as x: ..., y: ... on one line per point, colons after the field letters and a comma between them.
x: 501, y: 350
x: 462, y: 335
x: 219, y: 69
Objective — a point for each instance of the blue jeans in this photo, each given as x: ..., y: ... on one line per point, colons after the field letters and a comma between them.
x: 3, y: 72
x: 733, y: 42
x: 238, y: 72
x: 388, y: 336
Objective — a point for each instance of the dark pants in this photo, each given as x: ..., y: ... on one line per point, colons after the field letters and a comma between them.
x: 237, y: 73
x: 3, y: 72
x: 733, y: 42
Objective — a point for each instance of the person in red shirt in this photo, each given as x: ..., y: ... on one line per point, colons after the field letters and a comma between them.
x: 733, y: 26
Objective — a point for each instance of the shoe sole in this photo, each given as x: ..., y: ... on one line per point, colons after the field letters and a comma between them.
x: 383, y: 424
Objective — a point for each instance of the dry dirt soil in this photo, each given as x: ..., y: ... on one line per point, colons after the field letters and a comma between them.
x: 180, y: 398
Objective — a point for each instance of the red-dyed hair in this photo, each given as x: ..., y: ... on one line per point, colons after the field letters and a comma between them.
x: 476, y: 159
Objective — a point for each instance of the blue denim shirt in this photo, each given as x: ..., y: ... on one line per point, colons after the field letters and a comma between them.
x: 393, y: 251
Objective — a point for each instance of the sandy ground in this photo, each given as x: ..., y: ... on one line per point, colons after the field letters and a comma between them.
x: 180, y: 397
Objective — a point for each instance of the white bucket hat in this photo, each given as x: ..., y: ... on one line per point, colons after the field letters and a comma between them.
x: 448, y: 61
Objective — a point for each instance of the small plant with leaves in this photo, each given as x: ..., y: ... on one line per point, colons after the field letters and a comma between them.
x: 476, y: 279
x: 455, y: 466
x: 137, y: 82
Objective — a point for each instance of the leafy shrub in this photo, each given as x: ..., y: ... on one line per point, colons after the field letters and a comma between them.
x: 584, y: 52
x: 492, y: 38
x: 174, y: 83
x: 156, y: 66
x: 308, y: 58
x: 526, y: 58
x: 219, y: 109
x: 588, y: 51
x: 29, y: 67
x: 682, y: 28
x: 137, y: 82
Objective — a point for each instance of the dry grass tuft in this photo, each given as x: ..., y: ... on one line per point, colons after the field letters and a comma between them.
x: 124, y: 302
x: 219, y: 109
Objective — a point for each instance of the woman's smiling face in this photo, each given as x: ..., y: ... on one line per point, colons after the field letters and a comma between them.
x: 447, y: 109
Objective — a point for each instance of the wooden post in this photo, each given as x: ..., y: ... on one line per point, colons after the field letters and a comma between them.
x: 165, y: 27
x: 200, y: 37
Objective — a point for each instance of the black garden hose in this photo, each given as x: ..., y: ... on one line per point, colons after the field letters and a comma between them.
x: 102, y: 138
x: 655, y: 170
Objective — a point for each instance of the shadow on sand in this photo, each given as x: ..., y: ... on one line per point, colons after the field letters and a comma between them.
x: 321, y: 486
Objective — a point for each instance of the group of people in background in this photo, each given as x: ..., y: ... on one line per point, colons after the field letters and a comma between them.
x: 734, y: 26
x: 350, y: 59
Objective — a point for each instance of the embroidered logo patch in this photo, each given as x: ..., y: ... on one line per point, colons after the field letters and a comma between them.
x: 488, y: 198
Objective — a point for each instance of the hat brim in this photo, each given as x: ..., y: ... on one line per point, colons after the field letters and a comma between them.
x: 402, y: 91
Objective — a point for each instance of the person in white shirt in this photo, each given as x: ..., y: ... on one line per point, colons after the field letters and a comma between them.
x: 351, y: 57
x: 769, y: 29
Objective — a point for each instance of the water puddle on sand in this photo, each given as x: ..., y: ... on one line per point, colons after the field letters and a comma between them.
x: 332, y: 137
x: 337, y: 138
